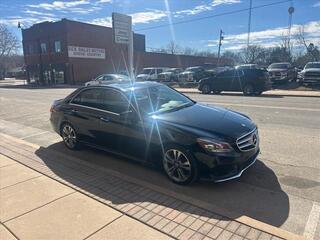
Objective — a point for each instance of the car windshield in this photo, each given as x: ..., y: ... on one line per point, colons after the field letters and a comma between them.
x: 146, y: 71
x: 279, y: 66
x: 312, y: 65
x: 122, y: 77
x: 159, y: 99
x: 193, y: 69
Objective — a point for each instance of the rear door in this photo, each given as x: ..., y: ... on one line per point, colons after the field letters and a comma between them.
x: 82, y: 112
x: 121, y: 130
x: 224, y: 80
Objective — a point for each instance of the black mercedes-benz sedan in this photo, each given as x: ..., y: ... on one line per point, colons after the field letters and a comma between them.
x: 153, y: 123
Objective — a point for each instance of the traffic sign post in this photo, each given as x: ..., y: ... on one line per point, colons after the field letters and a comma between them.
x: 122, y: 34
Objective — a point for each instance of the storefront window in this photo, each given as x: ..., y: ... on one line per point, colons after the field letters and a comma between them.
x: 58, y: 76
x: 43, y: 48
x: 57, y: 46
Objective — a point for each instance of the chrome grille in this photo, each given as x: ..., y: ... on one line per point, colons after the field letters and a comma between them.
x: 312, y: 74
x: 248, y: 141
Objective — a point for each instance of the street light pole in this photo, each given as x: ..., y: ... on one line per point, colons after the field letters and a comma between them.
x: 220, y: 43
x: 249, y: 24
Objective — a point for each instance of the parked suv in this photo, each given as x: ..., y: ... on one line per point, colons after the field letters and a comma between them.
x: 150, y: 74
x: 310, y: 75
x: 282, y: 72
x: 170, y: 75
x: 192, y: 74
x: 248, y: 81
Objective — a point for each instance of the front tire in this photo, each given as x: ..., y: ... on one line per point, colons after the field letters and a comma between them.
x: 248, y: 90
x: 69, y: 136
x: 179, y: 165
x: 206, y: 89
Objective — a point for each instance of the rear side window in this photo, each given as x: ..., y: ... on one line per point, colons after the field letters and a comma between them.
x: 89, y: 98
x: 104, y: 99
x: 114, y: 101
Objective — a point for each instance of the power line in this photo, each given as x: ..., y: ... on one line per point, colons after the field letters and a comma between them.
x: 249, y: 24
x: 212, y: 16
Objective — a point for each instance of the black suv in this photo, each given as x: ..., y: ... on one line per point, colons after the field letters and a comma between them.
x: 248, y: 81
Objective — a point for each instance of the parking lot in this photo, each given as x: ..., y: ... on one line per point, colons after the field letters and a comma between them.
x: 281, y: 189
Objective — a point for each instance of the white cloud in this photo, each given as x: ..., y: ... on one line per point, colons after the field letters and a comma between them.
x: 26, y: 21
x: 60, y: 5
x: 269, y: 37
x: 316, y: 4
x: 148, y: 16
x: 107, y: 22
x: 36, y: 13
x: 138, y: 17
x: 104, y: 1
x: 204, y: 7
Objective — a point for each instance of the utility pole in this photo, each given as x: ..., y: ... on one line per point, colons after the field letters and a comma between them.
x: 249, y: 24
x: 290, y: 11
x: 220, y: 43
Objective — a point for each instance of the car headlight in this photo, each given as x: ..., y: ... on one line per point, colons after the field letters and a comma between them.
x: 214, y: 146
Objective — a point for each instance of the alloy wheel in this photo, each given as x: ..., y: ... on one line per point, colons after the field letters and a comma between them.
x: 206, y: 89
x: 177, y: 165
x: 69, y: 136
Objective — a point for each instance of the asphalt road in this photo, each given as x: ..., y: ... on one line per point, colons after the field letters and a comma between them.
x: 282, y: 188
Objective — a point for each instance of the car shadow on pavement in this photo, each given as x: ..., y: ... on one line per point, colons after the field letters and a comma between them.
x: 257, y: 194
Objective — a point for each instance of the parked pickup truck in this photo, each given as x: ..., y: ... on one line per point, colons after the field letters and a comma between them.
x: 310, y: 75
x: 282, y: 72
x: 192, y: 74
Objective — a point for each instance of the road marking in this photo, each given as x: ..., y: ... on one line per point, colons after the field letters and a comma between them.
x: 261, y: 106
x: 312, y: 222
x: 33, y: 135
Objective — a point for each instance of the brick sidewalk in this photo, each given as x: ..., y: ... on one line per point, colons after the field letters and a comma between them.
x: 171, y: 216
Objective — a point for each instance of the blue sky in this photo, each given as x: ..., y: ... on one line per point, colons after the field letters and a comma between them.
x: 268, y: 23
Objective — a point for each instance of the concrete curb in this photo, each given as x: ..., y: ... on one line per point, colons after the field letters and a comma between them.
x: 224, y: 212
x: 283, y: 93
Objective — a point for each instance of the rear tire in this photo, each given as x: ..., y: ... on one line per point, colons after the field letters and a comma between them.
x: 69, y: 136
x: 248, y: 90
x: 206, y: 89
x: 179, y: 165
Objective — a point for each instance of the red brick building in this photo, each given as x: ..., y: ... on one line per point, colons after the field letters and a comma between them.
x: 74, y: 52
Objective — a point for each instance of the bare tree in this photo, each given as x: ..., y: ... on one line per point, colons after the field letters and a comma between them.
x: 9, y: 45
x: 252, y: 54
x: 172, y: 47
x: 311, y: 49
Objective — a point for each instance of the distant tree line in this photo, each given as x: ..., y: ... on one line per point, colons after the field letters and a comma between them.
x: 296, y: 50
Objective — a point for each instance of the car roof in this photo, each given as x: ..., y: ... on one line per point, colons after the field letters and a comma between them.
x: 127, y: 86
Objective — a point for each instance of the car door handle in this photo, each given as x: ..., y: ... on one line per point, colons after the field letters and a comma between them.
x: 74, y: 111
x: 104, y: 119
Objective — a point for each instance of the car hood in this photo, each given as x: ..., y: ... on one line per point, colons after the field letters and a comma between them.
x: 143, y: 76
x: 187, y: 72
x: 208, y: 121
x: 311, y: 70
x: 166, y: 73
x: 278, y: 70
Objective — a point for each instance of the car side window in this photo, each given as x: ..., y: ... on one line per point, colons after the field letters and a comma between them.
x: 89, y: 98
x: 100, y: 78
x: 114, y: 101
x: 159, y: 71
x: 152, y: 72
x: 107, y: 78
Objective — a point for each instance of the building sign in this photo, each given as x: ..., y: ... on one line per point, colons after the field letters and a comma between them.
x: 85, y: 52
x: 122, y: 27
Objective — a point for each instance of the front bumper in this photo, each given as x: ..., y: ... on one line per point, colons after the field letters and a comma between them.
x: 225, y: 168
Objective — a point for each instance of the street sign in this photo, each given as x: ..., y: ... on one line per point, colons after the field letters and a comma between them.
x: 122, y: 28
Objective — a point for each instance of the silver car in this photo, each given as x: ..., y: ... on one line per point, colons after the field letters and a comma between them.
x: 108, y: 79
